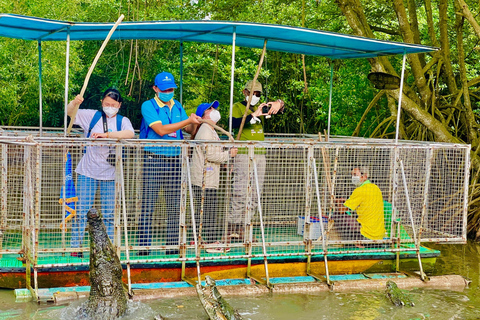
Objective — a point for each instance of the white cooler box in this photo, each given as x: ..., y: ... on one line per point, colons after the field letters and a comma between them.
x: 316, y: 229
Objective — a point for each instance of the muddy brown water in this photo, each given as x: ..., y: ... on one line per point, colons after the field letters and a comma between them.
x: 429, y: 304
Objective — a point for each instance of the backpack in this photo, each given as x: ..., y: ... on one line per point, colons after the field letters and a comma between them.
x: 145, y: 128
x: 96, y: 118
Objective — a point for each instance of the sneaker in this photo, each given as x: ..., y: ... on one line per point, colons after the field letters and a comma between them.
x: 234, y: 235
x: 76, y: 254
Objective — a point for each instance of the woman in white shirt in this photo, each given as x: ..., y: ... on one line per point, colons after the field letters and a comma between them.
x: 95, y: 170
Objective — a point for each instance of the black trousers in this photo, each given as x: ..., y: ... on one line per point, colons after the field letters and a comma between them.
x: 348, y: 226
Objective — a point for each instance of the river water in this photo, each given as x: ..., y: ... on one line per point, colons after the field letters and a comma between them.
x: 429, y: 304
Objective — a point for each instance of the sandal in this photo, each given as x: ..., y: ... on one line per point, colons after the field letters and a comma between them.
x: 218, y: 250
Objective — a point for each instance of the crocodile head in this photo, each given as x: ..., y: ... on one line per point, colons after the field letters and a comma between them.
x: 209, y: 281
x: 93, y: 215
x: 391, y: 285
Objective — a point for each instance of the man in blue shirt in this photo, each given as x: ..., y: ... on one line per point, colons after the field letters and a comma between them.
x: 163, y: 118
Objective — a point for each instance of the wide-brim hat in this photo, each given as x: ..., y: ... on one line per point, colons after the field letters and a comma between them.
x: 164, y: 81
x: 257, y: 87
x: 204, y: 106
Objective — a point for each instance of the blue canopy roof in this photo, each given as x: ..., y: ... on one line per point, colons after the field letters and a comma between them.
x: 280, y: 38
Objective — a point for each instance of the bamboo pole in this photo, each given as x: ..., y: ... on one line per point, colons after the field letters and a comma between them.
x: 89, y: 73
x: 125, y: 220
x: 326, y: 163
x: 232, y: 76
x: 210, y: 122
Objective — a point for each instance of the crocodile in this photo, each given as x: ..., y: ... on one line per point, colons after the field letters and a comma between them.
x: 214, y: 304
x: 396, y: 296
x: 212, y: 308
x: 227, y: 309
x: 107, y: 298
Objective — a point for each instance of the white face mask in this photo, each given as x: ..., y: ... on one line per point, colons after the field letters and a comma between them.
x: 110, y: 111
x: 356, y: 181
x: 254, y: 101
x: 215, y: 115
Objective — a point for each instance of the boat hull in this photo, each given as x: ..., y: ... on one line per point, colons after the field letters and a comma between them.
x: 338, y: 264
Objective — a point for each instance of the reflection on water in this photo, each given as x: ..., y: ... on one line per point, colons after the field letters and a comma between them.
x: 429, y: 304
x: 136, y: 310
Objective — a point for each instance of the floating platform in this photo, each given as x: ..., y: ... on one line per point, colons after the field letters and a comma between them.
x: 74, y: 271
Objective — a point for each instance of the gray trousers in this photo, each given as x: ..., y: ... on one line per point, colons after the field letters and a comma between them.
x: 238, y: 203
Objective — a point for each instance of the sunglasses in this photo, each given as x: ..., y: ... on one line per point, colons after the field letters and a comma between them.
x: 256, y: 93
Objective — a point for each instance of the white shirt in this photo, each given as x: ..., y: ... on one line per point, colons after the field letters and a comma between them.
x: 94, y: 161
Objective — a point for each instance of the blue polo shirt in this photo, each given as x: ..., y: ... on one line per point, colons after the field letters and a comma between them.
x: 154, y: 111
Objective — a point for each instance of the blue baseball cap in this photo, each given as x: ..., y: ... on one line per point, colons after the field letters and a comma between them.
x: 204, y: 106
x: 164, y: 81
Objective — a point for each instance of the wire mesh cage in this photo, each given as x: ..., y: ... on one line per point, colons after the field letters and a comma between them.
x: 202, y: 199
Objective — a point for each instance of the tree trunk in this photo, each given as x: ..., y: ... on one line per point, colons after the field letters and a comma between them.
x: 353, y: 11
x: 431, y: 29
x: 469, y: 116
x: 412, y: 13
x: 414, y: 60
x: 445, y: 45
x: 463, y: 9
